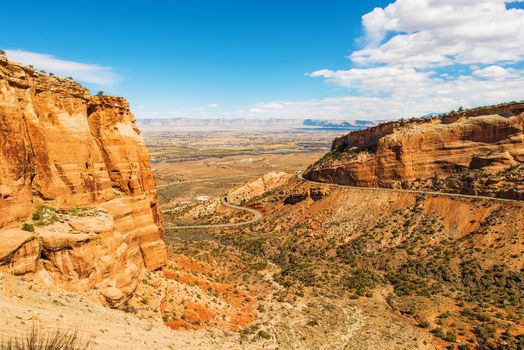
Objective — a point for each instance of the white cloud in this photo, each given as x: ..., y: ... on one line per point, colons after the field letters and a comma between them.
x: 375, y: 80
x: 424, y: 56
x: 427, y: 96
x: 494, y: 73
x: 441, y: 32
x: 85, y: 72
x: 212, y: 105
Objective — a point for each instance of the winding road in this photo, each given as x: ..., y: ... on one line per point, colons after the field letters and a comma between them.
x: 431, y: 193
x: 256, y: 217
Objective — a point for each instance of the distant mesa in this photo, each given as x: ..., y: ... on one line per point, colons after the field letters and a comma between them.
x: 181, y: 124
x: 339, y: 124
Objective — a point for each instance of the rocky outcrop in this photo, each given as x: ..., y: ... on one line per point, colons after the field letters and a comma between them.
x: 485, y: 142
x: 257, y: 187
x: 82, y: 157
x: 301, y: 194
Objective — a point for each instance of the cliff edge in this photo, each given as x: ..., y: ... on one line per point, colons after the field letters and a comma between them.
x: 477, y: 152
x: 77, y: 194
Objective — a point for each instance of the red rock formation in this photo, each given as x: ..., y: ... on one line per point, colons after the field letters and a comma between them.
x: 61, y: 147
x: 485, y: 141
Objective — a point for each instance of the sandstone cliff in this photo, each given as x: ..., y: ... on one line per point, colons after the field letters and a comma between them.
x: 478, y: 152
x: 75, y: 173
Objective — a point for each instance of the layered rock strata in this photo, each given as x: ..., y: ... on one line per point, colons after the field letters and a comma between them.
x: 75, y: 174
x: 476, y: 152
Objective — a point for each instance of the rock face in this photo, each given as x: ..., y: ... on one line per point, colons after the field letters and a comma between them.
x: 76, y: 154
x: 480, y: 151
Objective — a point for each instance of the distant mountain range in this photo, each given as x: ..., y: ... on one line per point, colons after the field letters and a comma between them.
x: 339, y: 124
x: 251, y: 124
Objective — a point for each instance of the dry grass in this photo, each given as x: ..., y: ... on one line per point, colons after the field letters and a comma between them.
x: 39, y: 339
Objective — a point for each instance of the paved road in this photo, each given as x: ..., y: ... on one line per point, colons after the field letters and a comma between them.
x: 300, y: 175
x: 256, y: 217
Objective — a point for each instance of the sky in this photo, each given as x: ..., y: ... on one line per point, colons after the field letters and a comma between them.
x: 329, y: 59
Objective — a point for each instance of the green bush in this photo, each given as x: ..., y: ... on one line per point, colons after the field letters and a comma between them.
x: 264, y: 335
x: 363, y: 281
x: 423, y: 324
x: 450, y: 337
x: 44, y: 216
x: 28, y: 227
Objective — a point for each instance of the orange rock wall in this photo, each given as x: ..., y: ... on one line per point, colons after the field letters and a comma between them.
x: 394, y: 154
x: 64, y: 148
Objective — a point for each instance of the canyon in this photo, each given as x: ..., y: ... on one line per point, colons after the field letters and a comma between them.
x: 413, y: 264
x: 89, y: 238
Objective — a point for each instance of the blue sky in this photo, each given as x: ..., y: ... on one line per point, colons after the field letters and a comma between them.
x: 266, y: 58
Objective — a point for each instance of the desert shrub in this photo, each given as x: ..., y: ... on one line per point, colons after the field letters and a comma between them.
x: 28, y: 227
x: 264, y: 335
x: 439, y: 332
x: 353, y: 250
x: 450, y: 337
x: 363, y: 281
x: 436, y: 183
x: 38, y: 339
x: 44, y: 216
x: 423, y: 324
x: 100, y: 93
x: 484, y: 331
x: 410, y: 284
x: 80, y: 211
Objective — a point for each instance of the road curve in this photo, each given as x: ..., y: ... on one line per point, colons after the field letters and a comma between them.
x: 300, y: 176
x: 256, y: 217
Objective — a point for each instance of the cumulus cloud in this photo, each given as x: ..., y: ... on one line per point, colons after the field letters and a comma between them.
x: 424, y: 56
x: 431, y: 95
x: 494, y: 73
x: 442, y: 32
x: 85, y: 72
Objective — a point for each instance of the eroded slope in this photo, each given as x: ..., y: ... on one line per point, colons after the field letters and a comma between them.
x: 451, y: 266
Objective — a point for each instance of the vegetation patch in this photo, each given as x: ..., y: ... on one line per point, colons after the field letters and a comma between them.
x: 28, y: 227
x: 39, y: 339
x: 44, y: 216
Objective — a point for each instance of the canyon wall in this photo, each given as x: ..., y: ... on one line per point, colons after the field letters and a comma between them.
x: 475, y: 152
x: 75, y: 175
